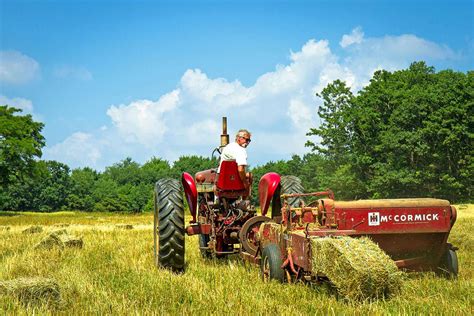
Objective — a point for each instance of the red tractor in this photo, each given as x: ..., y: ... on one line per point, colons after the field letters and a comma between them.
x: 413, y: 232
x: 224, y: 222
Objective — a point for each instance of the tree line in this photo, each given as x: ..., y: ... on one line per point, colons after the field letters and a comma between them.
x: 408, y: 133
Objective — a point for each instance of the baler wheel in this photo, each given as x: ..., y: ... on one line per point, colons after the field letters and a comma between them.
x: 248, y: 233
x: 449, y: 264
x: 168, y: 228
x: 270, y: 264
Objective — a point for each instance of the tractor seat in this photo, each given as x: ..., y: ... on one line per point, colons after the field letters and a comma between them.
x: 229, y: 184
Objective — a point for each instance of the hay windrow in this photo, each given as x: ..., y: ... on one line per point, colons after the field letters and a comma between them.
x: 358, y: 268
x: 33, y: 230
x: 4, y: 228
x: 32, y: 290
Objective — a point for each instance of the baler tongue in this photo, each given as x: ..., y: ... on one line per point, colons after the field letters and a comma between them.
x: 356, y: 266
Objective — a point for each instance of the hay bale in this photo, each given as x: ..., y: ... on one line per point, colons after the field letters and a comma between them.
x: 60, y: 239
x: 32, y: 290
x: 33, y: 230
x: 124, y: 226
x: 72, y: 241
x: 358, y: 268
x: 50, y: 242
x: 62, y: 225
x: 60, y: 232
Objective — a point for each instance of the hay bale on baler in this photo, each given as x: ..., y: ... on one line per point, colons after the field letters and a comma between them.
x: 357, y: 267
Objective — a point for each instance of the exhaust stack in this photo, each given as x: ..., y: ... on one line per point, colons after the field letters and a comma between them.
x: 224, y: 135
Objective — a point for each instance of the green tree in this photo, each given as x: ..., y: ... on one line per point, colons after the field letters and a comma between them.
x: 192, y: 164
x: 126, y: 171
x: 54, y: 186
x: 407, y: 134
x: 20, y: 142
x: 155, y: 169
x: 83, y: 182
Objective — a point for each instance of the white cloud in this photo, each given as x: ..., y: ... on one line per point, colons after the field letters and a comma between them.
x: 68, y: 71
x: 78, y: 150
x: 142, y: 121
x: 300, y: 113
x: 391, y: 53
x: 198, y: 132
x: 20, y: 103
x: 17, y: 68
x: 355, y: 37
x: 278, y: 109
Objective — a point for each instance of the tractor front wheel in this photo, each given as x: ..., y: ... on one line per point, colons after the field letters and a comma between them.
x: 270, y: 264
x: 169, y: 225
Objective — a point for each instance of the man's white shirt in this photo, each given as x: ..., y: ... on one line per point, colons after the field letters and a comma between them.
x: 234, y: 151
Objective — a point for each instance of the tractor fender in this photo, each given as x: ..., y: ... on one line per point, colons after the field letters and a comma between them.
x: 266, y: 188
x: 191, y: 193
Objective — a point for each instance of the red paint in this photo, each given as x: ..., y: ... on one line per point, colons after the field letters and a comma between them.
x: 413, y: 232
x: 190, y: 192
x: 395, y: 220
x: 266, y: 188
x: 229, y: 178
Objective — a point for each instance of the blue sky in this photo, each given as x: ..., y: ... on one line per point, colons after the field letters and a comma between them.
x: 112, y: 79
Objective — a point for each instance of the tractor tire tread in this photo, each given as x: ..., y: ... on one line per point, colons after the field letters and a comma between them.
x: 169, y: 227
x: 292, y: 185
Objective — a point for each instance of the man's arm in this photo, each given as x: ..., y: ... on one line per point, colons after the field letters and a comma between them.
x: 243, y: 176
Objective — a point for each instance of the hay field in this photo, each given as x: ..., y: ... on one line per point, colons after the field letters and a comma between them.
x: 114, y: 274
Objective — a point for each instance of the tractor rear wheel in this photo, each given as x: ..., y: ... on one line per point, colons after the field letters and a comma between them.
x: 270, y: 264
x: 292, y: 185
x: 449, y: 264
x: 169, y: 225
x: 288, y: 185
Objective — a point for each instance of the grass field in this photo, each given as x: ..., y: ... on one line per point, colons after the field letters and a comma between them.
x: 114, y: 274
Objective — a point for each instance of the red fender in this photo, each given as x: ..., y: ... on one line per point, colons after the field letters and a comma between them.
x: 266, y: 188
x: 191, y: 193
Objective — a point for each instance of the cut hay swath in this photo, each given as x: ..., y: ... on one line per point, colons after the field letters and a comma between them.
x: 32, y: 290
x: 358, y: 268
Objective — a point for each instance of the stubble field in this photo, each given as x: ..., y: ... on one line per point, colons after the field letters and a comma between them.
x: 114, y: 273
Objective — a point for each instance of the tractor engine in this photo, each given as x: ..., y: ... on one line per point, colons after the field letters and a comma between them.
x: 220, y: 221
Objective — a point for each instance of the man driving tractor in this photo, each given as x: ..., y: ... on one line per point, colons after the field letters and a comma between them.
x: 237, y: 151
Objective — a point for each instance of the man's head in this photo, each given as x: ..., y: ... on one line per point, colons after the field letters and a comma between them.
x: 243, y: 138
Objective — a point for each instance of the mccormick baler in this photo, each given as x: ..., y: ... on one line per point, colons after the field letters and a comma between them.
x: 412, y: 232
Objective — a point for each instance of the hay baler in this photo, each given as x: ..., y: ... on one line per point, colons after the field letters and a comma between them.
x: 413, y: 232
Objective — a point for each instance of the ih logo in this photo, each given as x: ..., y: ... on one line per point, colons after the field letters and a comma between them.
x: 374, y: 219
